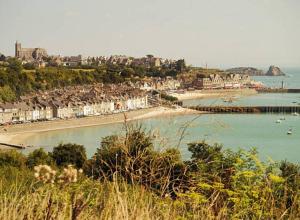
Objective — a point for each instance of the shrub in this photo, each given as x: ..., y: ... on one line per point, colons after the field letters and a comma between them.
x: 12, y: 158
x: 66, y: 154
x: 134, y: 159
x: 37, y: 157
x: 168, y: 97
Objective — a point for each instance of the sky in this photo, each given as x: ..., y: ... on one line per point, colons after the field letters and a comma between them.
x: 219, y: 33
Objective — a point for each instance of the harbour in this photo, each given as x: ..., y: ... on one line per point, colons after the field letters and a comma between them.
x: 236, y: 130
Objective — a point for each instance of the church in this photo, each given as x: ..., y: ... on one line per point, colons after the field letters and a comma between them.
x: 29, y: 53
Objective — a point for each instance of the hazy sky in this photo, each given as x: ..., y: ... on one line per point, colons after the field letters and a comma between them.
x: 222, y: 33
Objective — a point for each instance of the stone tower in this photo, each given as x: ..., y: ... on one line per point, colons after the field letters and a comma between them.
x: 17, y: 49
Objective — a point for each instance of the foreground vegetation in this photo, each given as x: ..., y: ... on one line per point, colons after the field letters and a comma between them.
x: 129, y: 178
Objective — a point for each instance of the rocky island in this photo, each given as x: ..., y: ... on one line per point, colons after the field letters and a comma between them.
x: 274, y: 71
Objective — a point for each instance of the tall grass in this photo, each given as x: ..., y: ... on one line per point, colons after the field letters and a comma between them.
x: 90, y: 199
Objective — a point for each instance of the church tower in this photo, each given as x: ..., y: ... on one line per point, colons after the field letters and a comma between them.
x: 17, y: 49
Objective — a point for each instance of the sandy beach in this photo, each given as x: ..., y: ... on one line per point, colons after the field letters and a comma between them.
x: 196, y: 94
x: 16, y: 134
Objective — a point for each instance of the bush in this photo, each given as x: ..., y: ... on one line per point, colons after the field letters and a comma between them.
x: 37, y: 157
x: 134, y: 159
x: 65, y: 154
x: 168, y: 97
x: 12, y: 158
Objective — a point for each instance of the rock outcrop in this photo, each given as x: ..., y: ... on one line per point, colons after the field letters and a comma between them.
x: 274, y: 71
x: 246, y: 71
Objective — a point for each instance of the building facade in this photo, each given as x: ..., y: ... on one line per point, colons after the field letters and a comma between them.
x: 29, y: 53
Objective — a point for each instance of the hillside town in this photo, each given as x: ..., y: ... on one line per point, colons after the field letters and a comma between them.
x: 40, y: 58
x: 72, y: 102
x: 100, y: 99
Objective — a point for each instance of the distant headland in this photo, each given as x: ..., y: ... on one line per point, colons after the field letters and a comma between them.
x: 251, y: 71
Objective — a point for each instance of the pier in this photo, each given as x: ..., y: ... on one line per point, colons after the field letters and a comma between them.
x: 13, y: 145
x: 247, y: 109
x: 277, y: 90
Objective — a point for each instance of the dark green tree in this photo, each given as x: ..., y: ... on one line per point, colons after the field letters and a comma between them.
x: 127, y: 72
x: 2, y: 57
x: 134, y: 159
x: 180, y: 65
x: 37, y: 157
x: 291, y: 173
x: 15, y: 65
x: 29, y: 66
x: 66, y: 154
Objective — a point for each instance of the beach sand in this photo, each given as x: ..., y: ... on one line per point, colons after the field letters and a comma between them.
x: 16, y: 134
x: 196, y: 94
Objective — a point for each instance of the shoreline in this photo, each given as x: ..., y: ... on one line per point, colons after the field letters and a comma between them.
x: 17, y: 134
x: 202, y: 94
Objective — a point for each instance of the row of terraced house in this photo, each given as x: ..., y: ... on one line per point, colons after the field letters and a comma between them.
x: 216, y: 81
x: 72, y: 103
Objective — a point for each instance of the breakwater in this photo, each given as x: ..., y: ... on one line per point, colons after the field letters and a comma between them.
x: 277, y: 90
x: 13, y: 145
x: 247, y: 109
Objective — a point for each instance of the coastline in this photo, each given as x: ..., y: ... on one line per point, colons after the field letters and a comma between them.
x: 198, y: 94
x: 16, y: 134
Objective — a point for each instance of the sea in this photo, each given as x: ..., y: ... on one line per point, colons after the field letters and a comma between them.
x: 233, y: 131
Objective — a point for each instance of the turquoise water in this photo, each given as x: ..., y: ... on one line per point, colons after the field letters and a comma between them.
x: 291, y: 80
x: 234, y: 131
x: 274, y: 99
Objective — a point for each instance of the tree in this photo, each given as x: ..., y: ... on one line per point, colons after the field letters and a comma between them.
x: 134, y: 159
x: 168, y: 97
x: 127, y: 72
x: 211, y: 161
x: 202, y: 151
x: 65, y: 154
x: 180, y: 65
x: 29, y: 66
x: 2, y: 57
x: 291, y: 172
x: 7, y: 94
x: 149, y: 56
x: 15, y: 65
x: 37, y: 157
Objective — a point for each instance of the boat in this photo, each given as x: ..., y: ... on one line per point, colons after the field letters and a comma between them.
x: 230, y: 100
x: 295, y: 114
x: 289, y: 132
x: 278, y: 121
